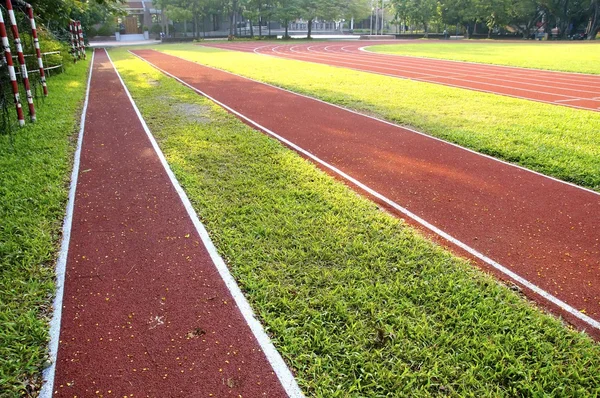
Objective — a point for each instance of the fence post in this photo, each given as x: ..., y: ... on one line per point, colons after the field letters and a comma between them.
x: 21, y: 58
x: 81, y: 41
x: 38, y: 53
x: 74, y: 49
x: 11, y: 70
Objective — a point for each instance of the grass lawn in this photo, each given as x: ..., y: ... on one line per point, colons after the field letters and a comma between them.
x: 583, y: 57
x: 35, y: 166
x: 554, y: 140
x: 357, y: 302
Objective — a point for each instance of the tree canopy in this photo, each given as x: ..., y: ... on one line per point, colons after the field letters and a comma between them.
x: 523, y: 16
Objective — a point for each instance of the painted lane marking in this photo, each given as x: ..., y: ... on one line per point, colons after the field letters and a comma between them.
x: 61, y: 262
x: 575, y: 99
x: 561, y: 304
x: 282, y: 371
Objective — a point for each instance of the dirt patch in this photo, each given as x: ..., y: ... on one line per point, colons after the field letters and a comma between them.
x: 150, y: 80
x: 192, y: 112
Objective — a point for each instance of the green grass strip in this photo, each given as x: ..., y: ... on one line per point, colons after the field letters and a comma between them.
x: 566, y: 57
x: 358, y: 303
x: 35, y: 165
x: 554, y: 140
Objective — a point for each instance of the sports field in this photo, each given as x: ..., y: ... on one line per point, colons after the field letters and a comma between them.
x: 382, y: 254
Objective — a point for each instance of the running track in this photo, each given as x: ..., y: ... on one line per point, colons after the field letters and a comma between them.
x: 145, y: 312
x: 568, y: 89
x: 546, y: 231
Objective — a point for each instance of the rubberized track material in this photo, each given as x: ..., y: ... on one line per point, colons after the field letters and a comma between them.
x: 145, y: 310
x: 560, y: 88
x: 542, y: 229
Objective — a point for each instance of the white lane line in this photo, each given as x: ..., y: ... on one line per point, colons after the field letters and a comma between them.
x: 285, y: 376
x: 564, y: 306
x: 61, y: 262
x: 574, y: 99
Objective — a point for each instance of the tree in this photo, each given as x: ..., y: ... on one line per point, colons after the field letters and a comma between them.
x: 179, y: 14
x: 421, y: 11
x: 594, y: 21
x: 522, y: 15
x: 286, y: 11
x: 459, y: 12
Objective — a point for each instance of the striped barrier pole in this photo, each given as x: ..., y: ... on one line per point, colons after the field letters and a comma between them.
x: 11, y: 70
x: 21, y: 58
x: 73, y: 46
x: 81, y: 41
x: 78, y: 40
x: 38, y: 53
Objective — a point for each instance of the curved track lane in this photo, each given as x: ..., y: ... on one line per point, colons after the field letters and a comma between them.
x: 559, y: 88
x: 542, y: 229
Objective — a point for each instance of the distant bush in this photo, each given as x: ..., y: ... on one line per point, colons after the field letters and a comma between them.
x: 156, y: 28
x: 91, y: 32
x: 108, y: 29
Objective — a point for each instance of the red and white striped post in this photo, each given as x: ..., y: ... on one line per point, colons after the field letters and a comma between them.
x: 81, y: 41
x: 38, y: 53
x: 21, y: 58
x: 73, y: 42
x: 11, y: 70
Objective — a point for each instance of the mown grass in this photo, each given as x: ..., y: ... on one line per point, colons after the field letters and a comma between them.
x: 554, y: 140
x: 35, y: 163
x: 582, y: 57
x: 358, y: 303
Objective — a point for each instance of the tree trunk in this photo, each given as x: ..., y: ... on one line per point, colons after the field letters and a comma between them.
x: 286, y: 30
x: 309, y: 24
x: 165, y: 22
x: 259, y: 20
x: 426, y: 27
x: 594, y: 22
x: 184, y: 28
x: 251, y: 28
x: 231, y: 24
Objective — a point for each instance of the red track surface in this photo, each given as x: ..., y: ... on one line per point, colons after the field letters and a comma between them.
x: 145, y: 312
x: 544, y: 230
x: 568, y: 89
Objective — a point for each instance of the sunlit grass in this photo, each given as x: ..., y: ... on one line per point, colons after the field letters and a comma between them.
x: 358, y: 303
x: 35, y: 163
x: 580, y: 57
x: 554, y: 140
